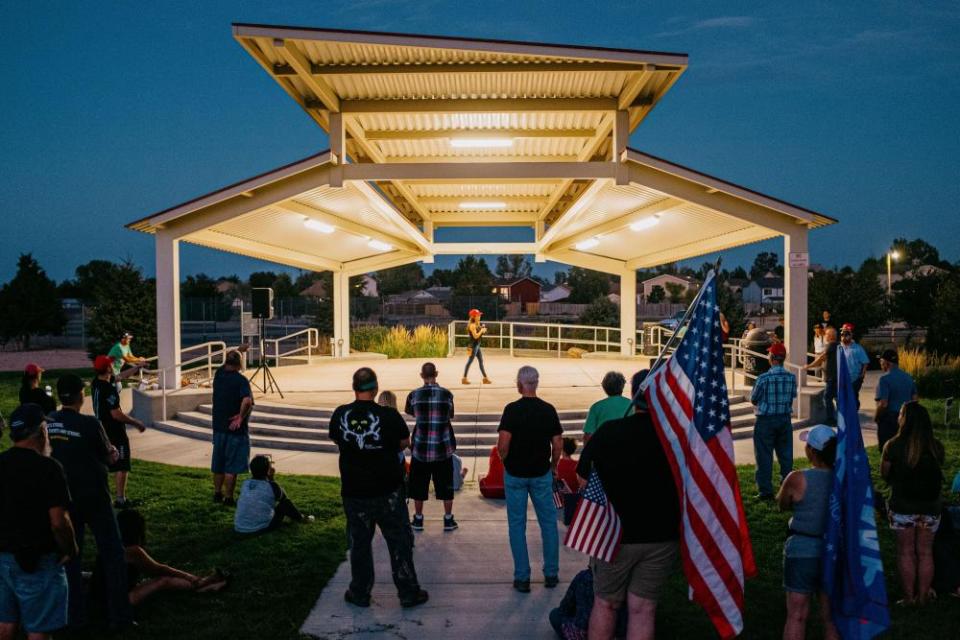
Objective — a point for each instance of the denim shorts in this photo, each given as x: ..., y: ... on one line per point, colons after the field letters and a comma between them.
x: 802, y: 575
x: 231, y: 453
x: 37, y: 600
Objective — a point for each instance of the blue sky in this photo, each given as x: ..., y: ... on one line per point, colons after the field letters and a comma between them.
x: 112, y: 111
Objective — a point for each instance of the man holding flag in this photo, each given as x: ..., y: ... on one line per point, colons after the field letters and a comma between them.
x: 852, y: 567
x: 689, y: 407
x: 633, y: 543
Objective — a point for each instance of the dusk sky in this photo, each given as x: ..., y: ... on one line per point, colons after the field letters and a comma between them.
x: 110, y: 113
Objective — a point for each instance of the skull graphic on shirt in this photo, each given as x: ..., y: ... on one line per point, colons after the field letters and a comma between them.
x: 363, y: 429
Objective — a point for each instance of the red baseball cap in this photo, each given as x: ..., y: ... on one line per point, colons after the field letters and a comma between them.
x: 32, y: 370
x: 475, y: 312
x: 777, y: 349
x: 847, y: 326
x: 102, y: 364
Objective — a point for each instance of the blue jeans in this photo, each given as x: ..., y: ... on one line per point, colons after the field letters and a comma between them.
x: 36, y: 600
x: 475, y: 353
x: 540, y: 491
x: 97, y: 513
x: 772, y: 434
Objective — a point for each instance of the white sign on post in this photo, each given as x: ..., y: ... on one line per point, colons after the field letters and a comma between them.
x: 251, y: 325
x: 799, y: 260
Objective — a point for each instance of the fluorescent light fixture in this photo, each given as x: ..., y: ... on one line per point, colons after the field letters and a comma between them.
x: 645, y: 223
x: 472, y: 143
x: 589, y: 243
x: 483, y: 205
x: 316, y: 225
x: 379, y: 246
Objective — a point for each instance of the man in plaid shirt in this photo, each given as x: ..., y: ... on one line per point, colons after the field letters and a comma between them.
x: 432, y: 445
x: 773, y: 396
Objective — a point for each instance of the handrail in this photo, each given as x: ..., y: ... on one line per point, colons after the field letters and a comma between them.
x: 313, y: 342
x: 507, y: 336
x: 208, y: 358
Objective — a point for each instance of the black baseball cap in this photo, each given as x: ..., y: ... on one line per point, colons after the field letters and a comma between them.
x: 69, y: 387
x: 25, y: 419
x: 890, y: 355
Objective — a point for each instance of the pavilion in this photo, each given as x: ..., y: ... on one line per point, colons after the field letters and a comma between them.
x: 429, y: 132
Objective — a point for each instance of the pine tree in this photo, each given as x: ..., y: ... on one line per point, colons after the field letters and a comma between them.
x: 30, y: 304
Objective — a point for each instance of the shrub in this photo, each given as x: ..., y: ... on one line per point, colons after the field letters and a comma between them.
x: 936, y: 376
x: 398, y: 342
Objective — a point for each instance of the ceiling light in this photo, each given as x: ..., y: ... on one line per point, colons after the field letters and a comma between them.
x: 645, y: 223
x: 472, y: 143
x: 379, y: 245
x: 488, y: 204
x: 589, y: 243
x: 316, y: 225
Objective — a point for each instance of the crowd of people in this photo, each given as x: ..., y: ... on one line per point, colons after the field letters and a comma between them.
x: 54, y: 484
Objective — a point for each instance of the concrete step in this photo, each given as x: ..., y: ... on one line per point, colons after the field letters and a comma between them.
x: 186, y: 430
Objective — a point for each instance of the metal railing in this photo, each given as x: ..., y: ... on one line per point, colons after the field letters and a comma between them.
x: 543, y: 336
x: 215, y: 356
x: 305, y: 342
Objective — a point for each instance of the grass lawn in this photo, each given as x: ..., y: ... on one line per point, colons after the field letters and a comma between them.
x: 277, y: 577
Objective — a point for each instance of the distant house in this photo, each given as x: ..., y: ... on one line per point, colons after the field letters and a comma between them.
x: 554, y: 292
x: 919, y: 272
x: 521, y: 290
x: 441, y: 294
x: 767, y: 290
x: 646, y: 287
x: 736, y: 285
x: 315, y: 290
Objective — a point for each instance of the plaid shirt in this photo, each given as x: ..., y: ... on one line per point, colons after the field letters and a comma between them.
x: 774, y: 392
x: 432, y: 407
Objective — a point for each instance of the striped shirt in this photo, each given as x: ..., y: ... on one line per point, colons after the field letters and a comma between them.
x: 774, y: 392
x: 432, y: 407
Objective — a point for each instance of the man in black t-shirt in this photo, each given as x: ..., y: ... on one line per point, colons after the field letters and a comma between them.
x: 232, y: 405
x: 80, y: 444
x: 370, y: 438
x: 106, y: 406
x: 530, y: 440
x: 828, y: 362
x: 637, y: 479
x: 36, y: 536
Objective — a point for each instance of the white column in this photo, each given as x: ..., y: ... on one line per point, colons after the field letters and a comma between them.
x: 168, y: 307
x: 341, y: 313
x: 796, y: 250
x: 628, y: 312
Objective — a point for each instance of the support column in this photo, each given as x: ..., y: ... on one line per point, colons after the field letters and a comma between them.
x: 341, y: 314
x: 796, y: 280
x: 628, y: 313
x: 168, y: 307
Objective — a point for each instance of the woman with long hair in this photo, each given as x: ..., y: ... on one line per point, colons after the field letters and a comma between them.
x: 807, y: 493
x: 475, y: 331
x: 912, y: 464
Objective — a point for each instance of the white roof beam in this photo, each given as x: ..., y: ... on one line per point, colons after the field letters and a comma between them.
x: 301, y: 65
x: 587, y: 152
x: 575, y: 209
x: 618, y: 223
x: 483, y: 248
x: 472, y: 67
x: 384, y: 261
x: 587, y: 261
x: 469, y: 105
x: 397, y: 218
x: 722, y: 242
x: 478, y: 170
x: 307, y: 211
x: 280, y: 255
x: 442, y: 134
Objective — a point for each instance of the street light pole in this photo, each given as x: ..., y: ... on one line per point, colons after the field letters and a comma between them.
x: 891, y: 256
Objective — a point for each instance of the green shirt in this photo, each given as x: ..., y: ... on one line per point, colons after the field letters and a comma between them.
x: 610, y: 408
x: 117, y: 352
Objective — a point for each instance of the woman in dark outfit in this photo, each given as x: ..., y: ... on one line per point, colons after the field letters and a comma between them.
x: 30, y: 391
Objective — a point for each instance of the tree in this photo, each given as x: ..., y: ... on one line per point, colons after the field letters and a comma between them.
x: 400, y: 279
x: 602, y: 312
x: 282, y: 284
x: 560, y: 277
x: 731, y: 305
x: 765, y: 262
x: 30, y: 304
x: 675, y: 292
x: 125, y: 301
x: 586, y: 285
x: 657, y: 294
x: 203, y: 299
x: 914, y: 299
x: 942, y: 334
x: 850, y: 296
x: 473, y: 288
x: 513, y: 267
x: 440, y: 278
x: 740, y: 274
x: 917, y: 252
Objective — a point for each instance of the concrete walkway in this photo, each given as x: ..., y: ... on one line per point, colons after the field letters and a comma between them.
x: 469, y: 574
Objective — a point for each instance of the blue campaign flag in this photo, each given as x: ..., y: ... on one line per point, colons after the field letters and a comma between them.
x: 852, y: 567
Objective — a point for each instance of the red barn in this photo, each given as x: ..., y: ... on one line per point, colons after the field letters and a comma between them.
x: 518, y: 290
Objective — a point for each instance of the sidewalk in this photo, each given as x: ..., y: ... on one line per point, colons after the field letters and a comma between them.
x: 469, y: 574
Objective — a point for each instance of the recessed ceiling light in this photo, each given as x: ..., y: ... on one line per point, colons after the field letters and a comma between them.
x: 469, y: 143
x: 645, y: 223
x: 379, y: 245
x: 316, y: 225
x: 589, y: 243
x: 483, y: 204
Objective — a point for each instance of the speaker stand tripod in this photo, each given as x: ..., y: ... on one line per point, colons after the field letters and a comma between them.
x: 269, y: 382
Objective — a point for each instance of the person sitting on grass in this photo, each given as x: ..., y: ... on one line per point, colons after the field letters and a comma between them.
x: 162, y: 577
x: 263, y: 503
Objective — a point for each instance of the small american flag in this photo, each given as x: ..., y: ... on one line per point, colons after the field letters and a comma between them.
x: 689, y: 405
x: 595, y: 529
x: 559, y: 488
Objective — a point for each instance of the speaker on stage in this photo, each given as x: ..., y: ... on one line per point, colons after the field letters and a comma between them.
x: 262, y: 302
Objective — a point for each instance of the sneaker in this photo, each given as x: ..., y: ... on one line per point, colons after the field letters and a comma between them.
x: 449, y: 524
x: 523, y: 586
x: 551, y: 581
x: 465, y: 380
x: 417, y: 523
x: 417, y: 599
x: 356, y: 600
x: 218, y: 498
x: 487, y: 380
x: 308, y: 518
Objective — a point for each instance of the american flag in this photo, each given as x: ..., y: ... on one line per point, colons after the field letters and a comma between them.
x: 595, y: 529
x: 559, y: 488
x: 689, y: 405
